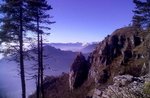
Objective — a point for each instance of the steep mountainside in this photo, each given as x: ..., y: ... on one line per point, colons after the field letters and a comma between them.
x: 89, y: 48
x: 119, y: 67
x: 125, y: 52
x: 58, y: 60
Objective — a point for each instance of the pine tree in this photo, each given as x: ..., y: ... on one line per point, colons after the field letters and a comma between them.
x: 42, y: 68
x: 14, y: 23
x: 12, y: 26
x: 141, y: 13
x: 20, y: 16
x: 38, y: 9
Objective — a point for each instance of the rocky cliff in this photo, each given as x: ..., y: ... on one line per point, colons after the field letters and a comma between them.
x: 124, y: 56
x: 119, y: 67
x: 78, y: 71
x: 124, y: 52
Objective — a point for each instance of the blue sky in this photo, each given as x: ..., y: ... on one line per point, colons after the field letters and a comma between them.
x: 88, y: 20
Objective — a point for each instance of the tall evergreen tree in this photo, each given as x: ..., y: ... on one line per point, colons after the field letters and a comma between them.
x: 12, y: 28
x: 141, y: 13
x: 14, y: 23
x: 20, y: 16
x: 42, y: 68
x: 38, y: 9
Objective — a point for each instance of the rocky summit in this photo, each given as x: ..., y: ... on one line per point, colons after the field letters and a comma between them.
x: 119, y: 67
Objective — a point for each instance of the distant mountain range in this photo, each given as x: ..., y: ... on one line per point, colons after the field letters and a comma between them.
x: 58, y: 57
x: 56, y: 61
x: 75, y: 47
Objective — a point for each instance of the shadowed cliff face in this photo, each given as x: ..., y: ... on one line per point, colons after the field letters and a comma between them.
x: 122, y: 52
x: 78, y: 72
x: 118, y: 53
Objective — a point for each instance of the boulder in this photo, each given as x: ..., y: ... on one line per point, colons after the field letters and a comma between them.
x: 122, y: 80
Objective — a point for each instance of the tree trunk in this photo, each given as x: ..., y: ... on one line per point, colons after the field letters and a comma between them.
x: 42, y: 68
x: 39, y: 60
x: 22, y: 74
x: 149, y: 62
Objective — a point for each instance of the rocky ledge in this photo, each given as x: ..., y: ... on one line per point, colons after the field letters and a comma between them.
x: 124, y: 86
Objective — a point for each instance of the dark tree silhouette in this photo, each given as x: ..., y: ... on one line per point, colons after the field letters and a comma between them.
x: 14, y: 23
x: 141, y: 13
x: 37, y: 13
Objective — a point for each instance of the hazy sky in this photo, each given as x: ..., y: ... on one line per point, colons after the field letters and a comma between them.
x: 88, y: 20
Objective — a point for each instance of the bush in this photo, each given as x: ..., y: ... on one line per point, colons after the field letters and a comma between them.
x: 147, y: 88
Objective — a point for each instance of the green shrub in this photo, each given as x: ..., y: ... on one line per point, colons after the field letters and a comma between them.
x: 147, y: 88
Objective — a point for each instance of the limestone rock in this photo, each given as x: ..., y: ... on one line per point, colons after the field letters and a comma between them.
x: 128, y: 87
x: 97, y: 93
x: 115, y: 52
x: 122, y: 80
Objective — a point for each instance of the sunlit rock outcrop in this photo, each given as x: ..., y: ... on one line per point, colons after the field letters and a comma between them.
x: 113, y: 54
x: 125, y: 86
x: 120, y: 65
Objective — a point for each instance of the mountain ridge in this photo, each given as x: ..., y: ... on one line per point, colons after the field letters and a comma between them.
x: 75, y: 47
x: 57, y: 62
x: 119, y: 63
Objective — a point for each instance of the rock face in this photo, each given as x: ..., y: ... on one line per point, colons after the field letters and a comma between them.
x: 78, y: 72
x: 125, y: 86
x: 125, y: 51
x: 122, y: 52
x: 119, y: 67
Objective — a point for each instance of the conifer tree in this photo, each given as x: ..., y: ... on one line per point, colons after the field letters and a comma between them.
x: 38, y: 9
x: 141, y: 13
x: 14, y: 23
